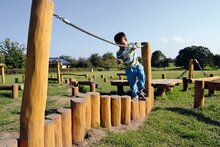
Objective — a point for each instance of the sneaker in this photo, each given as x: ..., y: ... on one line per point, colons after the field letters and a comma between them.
x: 135, y: 98
x: 142, y: 93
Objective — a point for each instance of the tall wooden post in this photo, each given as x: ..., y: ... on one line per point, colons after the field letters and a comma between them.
x: 191, y: 69
x: 35, y: 88
x: 211, y: 92
x: 58, y: 72
x: 199, y: 98
x: 2, y: 66
x: 146, y: 61
x: 185, y: 84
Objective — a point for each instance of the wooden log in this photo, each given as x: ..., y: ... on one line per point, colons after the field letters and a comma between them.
x: 66, y: 126
x: 36, y: 71
x: 142, y: 109
x: 56, y: 118
x: 116, y: 110
x: 199, y: 98
x: 148, y: 105
x: 185, y: 84
x: 67, y: 81
x: 92, y: 87
x: 93, y: 76
x: 134, y: 109
x: 95, y: 109
x: 58, y: 72
x: 14, y: 91
x: 191, y: 69
x: 49, y: 137
x: 146, y: 61
x: 163, y: 76
x: 75, y: 90
x: 16, y: 80
x: 105, y: 111
x: 204, y: 79
x: 8, y: 143
x: 2, y: 66
x: 88, y: 109
x: 90, y: 79
x: 211, y: 92
x: 125, y: 110
x: 78, y: 106
x: 102, y: 76
x: 120, y: 77
x: 105, y: 79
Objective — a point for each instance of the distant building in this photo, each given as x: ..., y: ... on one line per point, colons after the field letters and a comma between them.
x: 64, y: 63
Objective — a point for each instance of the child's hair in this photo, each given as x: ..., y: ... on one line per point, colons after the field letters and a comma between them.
x: 119, y: 36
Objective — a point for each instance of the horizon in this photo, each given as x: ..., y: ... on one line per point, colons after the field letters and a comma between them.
x: 168, y: 27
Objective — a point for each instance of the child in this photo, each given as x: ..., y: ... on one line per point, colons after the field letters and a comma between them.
x: 133, y: 68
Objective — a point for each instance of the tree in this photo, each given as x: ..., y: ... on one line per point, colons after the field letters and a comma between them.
x: 108, y: 61
x: 157, y: 57
x: 217, y: 60
x: 83, y: 63
x: 202, y: 54
x: 95, y: 60
x: 12, y: 53
x: 70, y: 59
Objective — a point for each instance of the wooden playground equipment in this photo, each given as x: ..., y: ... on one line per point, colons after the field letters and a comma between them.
x: 90, y: 110
x: 2, y: 67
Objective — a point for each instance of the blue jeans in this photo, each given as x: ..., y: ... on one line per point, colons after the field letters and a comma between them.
x: 132, y: 73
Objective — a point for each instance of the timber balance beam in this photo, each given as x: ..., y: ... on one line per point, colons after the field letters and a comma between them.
x: 13, y: 87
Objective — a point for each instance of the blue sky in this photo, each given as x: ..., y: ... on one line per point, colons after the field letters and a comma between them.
x: 169, y: 25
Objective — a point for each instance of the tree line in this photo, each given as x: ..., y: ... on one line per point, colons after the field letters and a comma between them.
x: 13, y: 56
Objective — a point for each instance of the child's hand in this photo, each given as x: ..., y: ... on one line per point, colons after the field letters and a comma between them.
x: 119, y: 61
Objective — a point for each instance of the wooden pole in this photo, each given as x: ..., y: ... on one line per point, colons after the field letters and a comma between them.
x: 148, y: 106
x: 105, y: 111
x: 56, y: 118
x: 146, y: 61
x: 14, y: 91
x: 135, y: 109
x: 95, y: 109
x: 142, y: 109
x: 35, y: 88
x: 116, y: 110
x: 78, y: 106
x: 75, y: 90
x: 191, y: 69
x: 105, y: 79
x: 66, y: 123
x: 58, y: 72
x: 8, y: 143
x: 163, y: 76
x: 49, y: 137
x: 125, y: 110
x: 199, y: 98
x: 88, y: 109
x: 211, y: 92
x: 185, y: 84
x: 92, y: 87
x: 3, y: 73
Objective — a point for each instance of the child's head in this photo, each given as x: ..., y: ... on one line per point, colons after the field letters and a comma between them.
x: 120, y: 38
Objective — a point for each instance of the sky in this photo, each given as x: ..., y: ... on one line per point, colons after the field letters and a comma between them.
x: 169, y: 25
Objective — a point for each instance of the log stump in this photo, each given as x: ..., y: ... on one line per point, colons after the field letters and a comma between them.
x: 125, y: 110
x: 49, y: 137
x: 105, y: 111
x: 116, y: 110
x: 134, y: 109
x: 142, y: 109
x: 75, y: 90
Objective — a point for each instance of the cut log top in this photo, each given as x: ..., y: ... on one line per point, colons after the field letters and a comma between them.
x: 2, y: 65
x: 78, y: 100
x: 105, y: 96
x: 88, y: 83
x: 93, y: 93
x: 121, y: 74
x: 204, y: 79
x: 47, y: 122
x: 9, y: 86
x: 53, y: 116
x: 63, y: 110
x: 115, y: 96
x: 125, y: 97
x: 84, y: 95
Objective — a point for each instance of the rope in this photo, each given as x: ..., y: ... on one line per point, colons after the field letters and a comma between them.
x: 197, y: 62
x: 182, y: 74
x: 66, y: 21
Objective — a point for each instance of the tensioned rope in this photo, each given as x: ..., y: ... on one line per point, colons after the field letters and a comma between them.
x: 66, y: 21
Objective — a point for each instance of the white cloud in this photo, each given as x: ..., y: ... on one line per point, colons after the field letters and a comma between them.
x: 176, y: 39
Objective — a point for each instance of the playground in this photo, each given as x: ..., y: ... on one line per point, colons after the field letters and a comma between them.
x: 40, y: 108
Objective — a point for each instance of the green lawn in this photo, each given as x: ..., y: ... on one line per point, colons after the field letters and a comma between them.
x: 173, y: 121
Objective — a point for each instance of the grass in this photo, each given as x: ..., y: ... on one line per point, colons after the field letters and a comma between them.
x: 173, y: 121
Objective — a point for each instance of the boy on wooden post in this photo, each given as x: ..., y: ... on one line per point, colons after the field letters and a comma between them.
x: 126, y: 55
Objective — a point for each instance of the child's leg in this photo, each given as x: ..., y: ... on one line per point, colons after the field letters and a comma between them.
x: 131, y: 76
x: 141, y: 77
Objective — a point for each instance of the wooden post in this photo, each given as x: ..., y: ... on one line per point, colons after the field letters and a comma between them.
x: 75, y: 90
x: 2, y: 66
x: 8, y: 143
x: 120, y: 89
x: 93, y: 76
x: 146, y: 61
x: 78, y: 106
x: 14, y: 91
x: 105, y: 111
x: 148, y: 105
x: 120, y: 77
x: 56, y: 118
x: 102, y: 76
x: 191, y: 69
x: 90, y: 79
x: 66, y: 126
x: 105, y: 79
x: 116, y: 110
x: 142, y: 109
x: 185, y: 84
x: 58, y: 72
x: 125, y: 110
x: 88, y: 109
x: 163, y: 76
x: 92, y: 87
x: 152, y: 100
x: 36, y: 70
x: 95, y: 109
x: 211, y: 92
x: 49, y: 137
x: 199, y: 98
x: 16, y: 80
x: 134, y: 109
